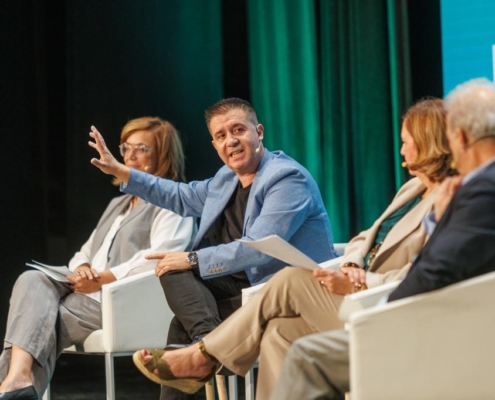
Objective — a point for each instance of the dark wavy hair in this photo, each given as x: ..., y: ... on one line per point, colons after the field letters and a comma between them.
x: 224, y: 106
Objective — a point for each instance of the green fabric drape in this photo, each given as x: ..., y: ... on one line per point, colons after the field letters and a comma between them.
x: 329, y: 80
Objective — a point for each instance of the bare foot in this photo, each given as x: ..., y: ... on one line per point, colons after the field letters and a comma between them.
x: 188, y: 362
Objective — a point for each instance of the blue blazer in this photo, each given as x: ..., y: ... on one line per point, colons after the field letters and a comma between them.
x: 284, y: 200
x: 463, y: 243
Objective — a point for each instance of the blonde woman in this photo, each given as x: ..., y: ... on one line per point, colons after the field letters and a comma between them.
x: 46, y: 316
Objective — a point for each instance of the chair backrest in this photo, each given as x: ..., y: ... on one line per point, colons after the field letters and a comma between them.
x: 340, y: 248
x: 437, y: 345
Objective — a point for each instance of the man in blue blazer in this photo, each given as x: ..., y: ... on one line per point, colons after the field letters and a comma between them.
x: 257, y: 193
x: 317, y: 366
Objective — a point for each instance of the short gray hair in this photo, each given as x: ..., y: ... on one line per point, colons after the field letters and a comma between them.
x: 471, y: 106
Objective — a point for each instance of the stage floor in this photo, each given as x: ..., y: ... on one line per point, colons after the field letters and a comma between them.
x: 80, y: 377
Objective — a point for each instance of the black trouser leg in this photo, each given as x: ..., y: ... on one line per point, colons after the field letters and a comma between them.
x: 194, y: 300
x: 194, y: 303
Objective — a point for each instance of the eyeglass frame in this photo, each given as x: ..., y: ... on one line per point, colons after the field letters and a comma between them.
x: 139, y: 149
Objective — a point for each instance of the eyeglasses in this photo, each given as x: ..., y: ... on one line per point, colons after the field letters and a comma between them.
x: 139, y: 149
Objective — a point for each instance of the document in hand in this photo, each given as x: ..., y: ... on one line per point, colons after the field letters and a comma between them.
x: 56, y: 273
x: 280, y: 249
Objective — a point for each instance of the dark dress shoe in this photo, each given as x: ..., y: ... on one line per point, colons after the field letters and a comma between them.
x: 27, y: 393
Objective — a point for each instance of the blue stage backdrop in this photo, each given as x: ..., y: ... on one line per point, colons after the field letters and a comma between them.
x: 468, y: 35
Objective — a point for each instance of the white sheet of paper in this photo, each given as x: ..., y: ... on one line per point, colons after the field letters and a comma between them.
x: 58, y: 273
x: 280, y: 249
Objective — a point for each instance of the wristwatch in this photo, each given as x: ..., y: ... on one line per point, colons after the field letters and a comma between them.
x: 192, y: 258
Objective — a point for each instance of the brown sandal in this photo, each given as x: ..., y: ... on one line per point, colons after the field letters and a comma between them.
x: 165, y: 376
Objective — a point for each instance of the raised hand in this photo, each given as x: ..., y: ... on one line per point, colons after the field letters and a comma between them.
x: 107, y: 162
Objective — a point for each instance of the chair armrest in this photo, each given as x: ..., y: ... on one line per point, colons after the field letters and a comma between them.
x: 365, y: 299
x: 135, y: 313
x: 437, y: 345
x: 340, y: 248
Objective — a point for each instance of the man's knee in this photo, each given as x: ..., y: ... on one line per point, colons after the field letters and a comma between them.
x: 297, y: 351
x: 290, y: 275
x: 174, y: 278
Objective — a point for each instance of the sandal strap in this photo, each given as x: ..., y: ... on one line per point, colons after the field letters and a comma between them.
x: 154, y: 361
x: 202, y: 350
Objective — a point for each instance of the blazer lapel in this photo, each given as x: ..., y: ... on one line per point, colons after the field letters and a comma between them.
x: 135, y: 212
x: 107, y: 222
x: 215, y: 208
x: 408, y: 223
x: 397, y: 203
x: 256, y: 182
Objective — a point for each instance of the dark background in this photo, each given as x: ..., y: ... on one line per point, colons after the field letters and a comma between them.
x: 67, y: 65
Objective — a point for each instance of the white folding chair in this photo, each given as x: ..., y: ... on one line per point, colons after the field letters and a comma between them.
x: 436, y: 345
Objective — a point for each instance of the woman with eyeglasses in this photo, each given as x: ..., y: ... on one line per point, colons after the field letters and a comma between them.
x: 47, y: 316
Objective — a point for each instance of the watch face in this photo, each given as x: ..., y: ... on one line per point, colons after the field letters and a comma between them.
x: 192, y: 257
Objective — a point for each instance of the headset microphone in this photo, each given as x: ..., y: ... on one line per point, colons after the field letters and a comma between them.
x: 404, y: 165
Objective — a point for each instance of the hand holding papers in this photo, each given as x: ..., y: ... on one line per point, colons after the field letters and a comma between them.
x: 59, y: 274
x: 278, y: 248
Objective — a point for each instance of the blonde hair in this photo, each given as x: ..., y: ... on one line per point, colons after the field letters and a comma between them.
x: 168, y: 146
x: 426, y: 123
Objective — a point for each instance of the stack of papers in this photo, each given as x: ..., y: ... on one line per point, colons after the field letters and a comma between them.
x: 58, y: 273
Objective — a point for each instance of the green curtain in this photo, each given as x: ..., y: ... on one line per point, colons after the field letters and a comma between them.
x: 329, y: 80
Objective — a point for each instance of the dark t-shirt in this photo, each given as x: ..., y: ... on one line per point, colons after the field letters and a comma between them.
x: 229, y: 225
x: 233, y: 215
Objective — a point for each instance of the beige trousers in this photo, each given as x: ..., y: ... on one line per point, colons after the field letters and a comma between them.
x: 291, y: 305
x: 316, y: 367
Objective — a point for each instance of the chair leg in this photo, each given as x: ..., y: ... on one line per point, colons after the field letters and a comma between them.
x: 233, y: 388
x: 210, y: 391
x: 47, y: 394
x: 221, y: 388
x: 109, y: 376
x: 250, y: 384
